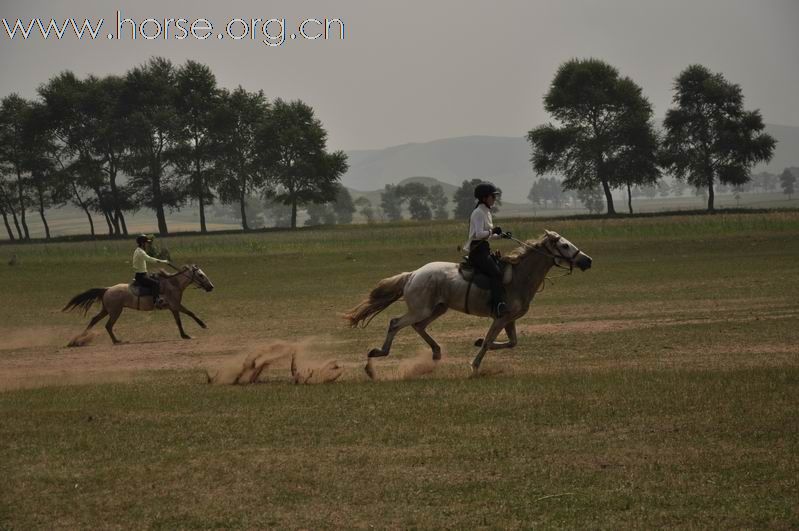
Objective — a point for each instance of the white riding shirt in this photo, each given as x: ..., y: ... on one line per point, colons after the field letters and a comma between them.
x: 141, y: 259
x: 481, y: 225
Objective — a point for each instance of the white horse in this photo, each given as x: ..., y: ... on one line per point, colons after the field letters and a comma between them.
x: 438, y: 286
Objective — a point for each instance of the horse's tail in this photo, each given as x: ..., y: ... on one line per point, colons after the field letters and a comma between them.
x: 388, y: 291
x: 85, y: 300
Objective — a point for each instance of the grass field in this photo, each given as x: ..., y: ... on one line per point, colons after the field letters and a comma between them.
x: 658, y: 389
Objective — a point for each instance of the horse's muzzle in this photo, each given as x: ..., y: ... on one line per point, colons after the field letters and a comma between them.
x: 584, y: 262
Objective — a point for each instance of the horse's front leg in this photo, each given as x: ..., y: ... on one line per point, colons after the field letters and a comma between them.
x: 191, y: 314
x: 510, y: 330
x: 491, y: 335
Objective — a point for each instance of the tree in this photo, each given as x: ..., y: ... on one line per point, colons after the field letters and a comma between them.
x: 391, y: 202
x: 464, y: 199
x: 592, y: 199
x: 787, y: 182
x: 154, y: 134
x: 710, y: 138
x: 296, y: 158
x: 343, y: 206
x: 197, y: 104
x: 366, y: 208
x: 606, y: 138
x: 544, y: 190
x: 14, y: 111
x: 418, y: 197
x: 39, y: 160
x: 240, y: 132
x: 438, y: 202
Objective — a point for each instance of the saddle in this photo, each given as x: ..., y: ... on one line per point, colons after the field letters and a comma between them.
x: 472, y: 275
x: 140, y: 291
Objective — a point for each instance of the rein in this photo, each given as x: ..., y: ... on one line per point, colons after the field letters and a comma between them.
x: 181, y: 272
x: 569, y: 270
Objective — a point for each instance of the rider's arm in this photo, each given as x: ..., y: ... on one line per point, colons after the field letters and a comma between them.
x: 152, y: 260
x: 478, y: 222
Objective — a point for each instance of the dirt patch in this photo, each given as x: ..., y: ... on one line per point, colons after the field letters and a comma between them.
x: 275, y: 359
x: 31, y: 337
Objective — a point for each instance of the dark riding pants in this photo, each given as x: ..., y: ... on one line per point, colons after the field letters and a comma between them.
x: 143, y: 280
x: 481, y: 259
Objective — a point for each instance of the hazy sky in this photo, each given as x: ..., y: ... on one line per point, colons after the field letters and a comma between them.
x: 414, y: 71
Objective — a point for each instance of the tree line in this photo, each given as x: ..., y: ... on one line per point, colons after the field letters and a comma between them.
x: 605, y: 137
x: 160, y: 136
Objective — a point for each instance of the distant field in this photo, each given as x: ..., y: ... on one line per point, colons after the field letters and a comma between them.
x: 658, y: 389
x: 69, y: 221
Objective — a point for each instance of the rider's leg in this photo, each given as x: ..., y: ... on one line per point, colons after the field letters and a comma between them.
x: 480, y: 257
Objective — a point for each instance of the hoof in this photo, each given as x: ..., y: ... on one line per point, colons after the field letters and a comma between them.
x: 475, y: 370
x: 436, y: 356
x: 370, y: 371
x: 479, y: 342
x: 185, y: 336
x: 203, y: 326
x: 375, y: 353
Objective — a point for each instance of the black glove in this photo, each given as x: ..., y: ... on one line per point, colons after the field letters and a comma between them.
x: 507, y: 235
x: 496, y: 230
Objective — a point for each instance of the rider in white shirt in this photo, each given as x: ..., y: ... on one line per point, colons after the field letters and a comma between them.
x: 481, y: 230
x: 140, y: 261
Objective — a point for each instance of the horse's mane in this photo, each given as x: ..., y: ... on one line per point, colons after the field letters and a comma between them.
x: 516, y: 255
x: 164, y: 274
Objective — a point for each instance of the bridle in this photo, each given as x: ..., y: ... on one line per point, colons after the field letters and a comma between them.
x: 553, y: 256
x: 192, y: 279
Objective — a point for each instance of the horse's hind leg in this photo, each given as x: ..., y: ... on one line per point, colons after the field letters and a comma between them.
x: 438, y: 311
x: 109, y: 325
x: 96, y: 319
x: 394, y: 326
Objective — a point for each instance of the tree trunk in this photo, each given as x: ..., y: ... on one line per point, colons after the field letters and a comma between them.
x: 244, y: 226
x: 710, y: 195
x: 41, y: 214
x: 44, y: 221
x: 20, y: 192
x: 629, y: 198
x: 8, y: 227
x: 83, y: 206
x: 16, y: 223
x: 294, y: 213
x: 108, y: 221
x: 158, y: 204
x: 119, y: 219
x: 200, y: 196
x: 608, y: 198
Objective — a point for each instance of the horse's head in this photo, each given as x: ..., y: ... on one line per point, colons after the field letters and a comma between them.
x: 565, y: 253
x: 199, y: 278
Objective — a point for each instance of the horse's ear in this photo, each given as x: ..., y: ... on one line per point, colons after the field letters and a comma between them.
x: 549, y: 233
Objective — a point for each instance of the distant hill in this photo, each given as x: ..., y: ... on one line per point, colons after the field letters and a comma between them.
x: 503, y: 160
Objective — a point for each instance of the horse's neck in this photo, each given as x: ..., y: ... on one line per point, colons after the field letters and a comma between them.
x: 530, y: 272
x: 181, y: 280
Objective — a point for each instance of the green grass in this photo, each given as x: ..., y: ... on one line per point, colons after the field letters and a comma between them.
x: 658, y: 389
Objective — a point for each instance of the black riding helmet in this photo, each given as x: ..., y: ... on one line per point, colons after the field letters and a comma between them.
x: 485, y: 189
x: 142, y: 239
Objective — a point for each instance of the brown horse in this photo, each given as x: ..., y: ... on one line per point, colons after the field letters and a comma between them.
x: 116, y: 298
x: 438, y: 286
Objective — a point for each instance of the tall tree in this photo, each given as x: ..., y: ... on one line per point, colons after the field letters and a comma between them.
x: 343, y: 205
x: 198, y: 102
x: 40, y: 161
x: 7, y: 207
x: 602, y: 116
x: 154, y: 135
x: 439, y: 202
x: 296, y: 157
x: 710, y: 138
x: 787, y: 182
x: 240, y: 133
x: 14, y: 111
x: 391, y: 202
x: 464, y: 199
